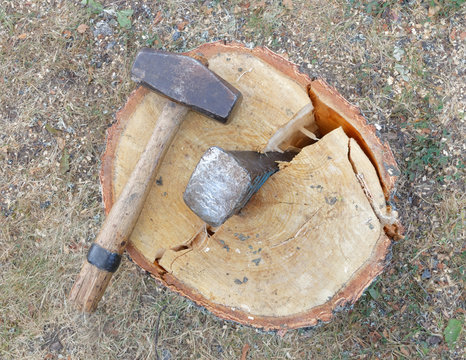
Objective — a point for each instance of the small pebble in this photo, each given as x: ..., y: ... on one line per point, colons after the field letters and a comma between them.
x: 110, y: 45
x: 45, y: 204
x: 166, y: 354
x: 426, y: 274
x: 176, y: 35
x: 102, y: 28
x: 56, y: 346
x: 434, y: 340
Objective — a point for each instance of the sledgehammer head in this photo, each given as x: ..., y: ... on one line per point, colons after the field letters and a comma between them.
x: 186, y: 81
x: 224, y: 181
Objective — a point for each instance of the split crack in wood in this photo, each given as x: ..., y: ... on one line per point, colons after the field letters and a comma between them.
x: 245, y: 72
x: 197, y: 241
x: 385, y: 220
x: 298, y: 232
x: 285, y: 138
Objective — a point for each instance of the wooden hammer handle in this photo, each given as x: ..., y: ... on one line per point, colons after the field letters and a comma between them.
x: 113, y: 237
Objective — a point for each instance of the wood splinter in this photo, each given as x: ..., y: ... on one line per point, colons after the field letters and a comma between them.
x: 288, y: 136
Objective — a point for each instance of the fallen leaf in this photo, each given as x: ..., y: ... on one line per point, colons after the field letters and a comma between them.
x: 404, y: 73
x: 82, y: 28
x: 374, y: 293
x: 452, y: 332
x: 65, y: 162
x: 31, y: 309
x: 404, y: 350
x: 245, y: 5
x: 403, y: 308
x: 398, y: 53
x: 158, y: 18
x: 52, y: 130
x: 95, y: 6
x: 182, y: 25
x: 73, y: 246
x: 61, y: 143
x: 433, y: 10
x: 124, y: 18
x: 22, y: 36
x: 463, y: 35
x: 374, y: 337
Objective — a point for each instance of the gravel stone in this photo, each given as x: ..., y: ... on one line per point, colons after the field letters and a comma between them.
x: 103, y: 28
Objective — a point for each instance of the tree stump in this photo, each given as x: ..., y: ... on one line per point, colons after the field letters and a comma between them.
x: 313, y: 237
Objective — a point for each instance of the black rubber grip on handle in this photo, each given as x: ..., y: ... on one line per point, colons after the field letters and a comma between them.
x: 103, y: 259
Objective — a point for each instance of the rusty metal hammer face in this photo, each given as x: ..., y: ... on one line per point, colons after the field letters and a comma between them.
x: 186, y: 81
x: 224, y: 181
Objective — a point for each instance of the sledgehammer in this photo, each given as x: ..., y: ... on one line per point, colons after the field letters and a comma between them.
x: 189, y: 85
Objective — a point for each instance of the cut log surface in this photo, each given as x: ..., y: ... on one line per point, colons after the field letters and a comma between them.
x: 313, y: 237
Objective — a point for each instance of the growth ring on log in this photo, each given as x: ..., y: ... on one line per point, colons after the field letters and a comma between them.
x: 313, y: 237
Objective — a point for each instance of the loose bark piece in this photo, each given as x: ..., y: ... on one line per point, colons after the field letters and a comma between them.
x: 309, y: 241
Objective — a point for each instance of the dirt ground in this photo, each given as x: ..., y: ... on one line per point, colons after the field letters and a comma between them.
x: 65, y: 72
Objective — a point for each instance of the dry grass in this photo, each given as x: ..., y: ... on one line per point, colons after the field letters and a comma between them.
x: 59, y: 90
